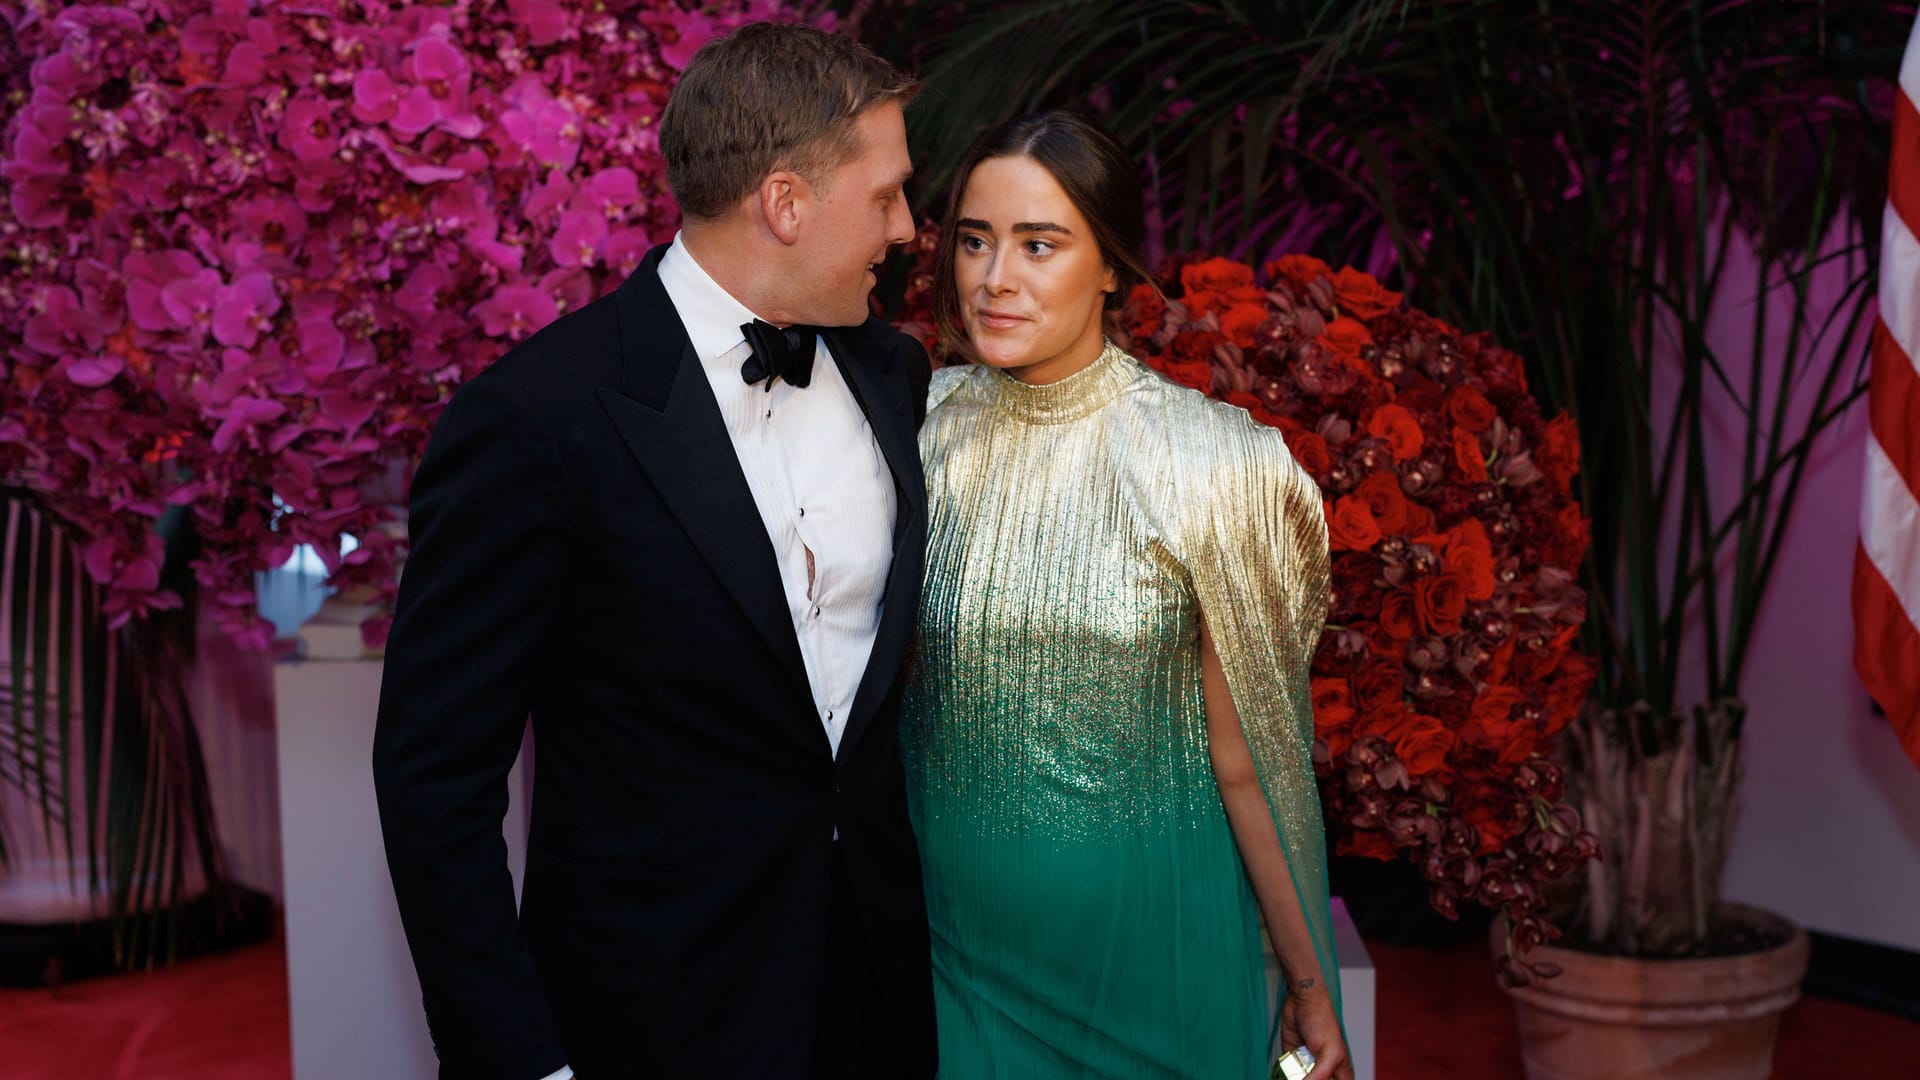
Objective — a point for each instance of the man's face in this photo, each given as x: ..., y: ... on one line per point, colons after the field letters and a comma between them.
x: 853, y: 218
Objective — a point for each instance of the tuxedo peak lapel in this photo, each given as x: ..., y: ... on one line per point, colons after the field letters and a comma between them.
x: 881, y: 390
x: 882, y: 387
x: 666, y: 415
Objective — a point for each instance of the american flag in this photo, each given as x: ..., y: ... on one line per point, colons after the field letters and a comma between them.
x: 1886, y: 565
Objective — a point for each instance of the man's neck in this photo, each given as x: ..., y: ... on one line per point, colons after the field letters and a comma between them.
x: 734, y: 257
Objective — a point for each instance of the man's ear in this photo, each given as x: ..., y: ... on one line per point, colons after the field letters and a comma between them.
x: 781, y: 193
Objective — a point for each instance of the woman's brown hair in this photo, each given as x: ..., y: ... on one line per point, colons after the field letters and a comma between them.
x: 1094, y: 171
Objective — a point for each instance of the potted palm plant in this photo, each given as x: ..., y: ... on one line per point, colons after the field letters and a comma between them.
x: 109, y: 858
x: 1596, y: 185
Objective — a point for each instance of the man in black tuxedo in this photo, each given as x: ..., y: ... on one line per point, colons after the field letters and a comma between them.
x: 683, y: 528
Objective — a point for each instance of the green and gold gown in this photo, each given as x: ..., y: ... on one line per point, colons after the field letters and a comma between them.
x: 1090, y: 913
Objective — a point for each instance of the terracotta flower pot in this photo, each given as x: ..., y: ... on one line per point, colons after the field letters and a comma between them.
x: 1621, y: 1018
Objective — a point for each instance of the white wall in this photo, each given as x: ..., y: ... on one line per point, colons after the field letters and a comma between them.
x: 1828, y: 825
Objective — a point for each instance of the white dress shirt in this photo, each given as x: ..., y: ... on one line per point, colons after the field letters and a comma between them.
x: 818, y: 480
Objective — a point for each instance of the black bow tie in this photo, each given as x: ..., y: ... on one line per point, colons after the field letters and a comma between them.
x: 785, y: 352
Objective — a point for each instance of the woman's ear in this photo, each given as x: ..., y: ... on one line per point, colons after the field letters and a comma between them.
x: 779, y: 198
x: 1112, y: 282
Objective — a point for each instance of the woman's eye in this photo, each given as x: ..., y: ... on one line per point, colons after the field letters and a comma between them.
x: 972, y: 243
x: 1039, y: 247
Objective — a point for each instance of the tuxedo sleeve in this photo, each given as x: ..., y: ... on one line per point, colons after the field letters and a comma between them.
x: 481, y: 592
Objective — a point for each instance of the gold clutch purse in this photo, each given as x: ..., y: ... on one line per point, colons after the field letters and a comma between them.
x: 1295, y: 1064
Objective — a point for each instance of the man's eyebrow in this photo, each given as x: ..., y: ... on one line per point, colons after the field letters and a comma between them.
x: 901, y: 180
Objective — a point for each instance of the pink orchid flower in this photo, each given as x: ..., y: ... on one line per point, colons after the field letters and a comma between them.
x: 244, y: 309
x: 439, y: 92
x: 515, y: 311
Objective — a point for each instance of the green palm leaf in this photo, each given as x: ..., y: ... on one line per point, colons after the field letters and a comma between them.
x: 97, y: 737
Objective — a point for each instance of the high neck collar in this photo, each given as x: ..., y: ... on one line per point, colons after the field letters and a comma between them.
x: 1079, y: 394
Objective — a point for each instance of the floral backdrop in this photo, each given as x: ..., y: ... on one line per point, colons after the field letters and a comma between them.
x: 251, y: 246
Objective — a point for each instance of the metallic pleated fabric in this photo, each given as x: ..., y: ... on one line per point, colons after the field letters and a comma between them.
x: 1090, y: 913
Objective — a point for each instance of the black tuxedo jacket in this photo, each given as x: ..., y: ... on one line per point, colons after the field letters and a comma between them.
x: 586, y: 549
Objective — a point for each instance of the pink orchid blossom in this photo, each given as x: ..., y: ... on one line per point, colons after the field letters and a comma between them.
x: 243, y: 309
x: 516, y: 311
x: 438, y: 96
x: 578, y: 240
x: 63, y: 326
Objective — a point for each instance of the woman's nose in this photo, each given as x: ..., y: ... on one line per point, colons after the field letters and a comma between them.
x: 998, y: 281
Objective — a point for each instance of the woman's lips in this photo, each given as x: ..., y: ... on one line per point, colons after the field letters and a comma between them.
x: 994, y: 320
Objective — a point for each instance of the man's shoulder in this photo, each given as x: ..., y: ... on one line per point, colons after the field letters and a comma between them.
x: 565, y: 360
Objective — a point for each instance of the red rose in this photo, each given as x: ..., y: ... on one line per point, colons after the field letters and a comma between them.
x: 1519, y: 747
x: 1351, y: 527
x: 1346, y: 337
x: 1397, y: 614
x: 1366, y: 843
x: 1399, y: 428
x: 1492, y: 713
x: 1384, y: 722
x: 1310, y: 450
x: 1361, y: 296
x: 1470, y: 409
x: 1470, y: 554
x: 1495, y: 831
x: 1355, y: 593
x: 1333, y: 714
x: 1422, y: 745
x: 1197, y: 374
x: 1440, y: 601
x: 1466, y: 455
x: 1567, y: 693
x: 1297, y: 270
x: 1240, y: 322
x: 1145, y: 311
x: 1289, y: 427
x: 1390, y: 507
x: 1332, y: 696
x: 1190, y: 346
x: 1379, y: 683
x: 1558, y: 454
x: 1215, y: 275
x: 1566, y: 542
x: 1257, y: 408
x: 1380, y: 640
x: 1502, y: 662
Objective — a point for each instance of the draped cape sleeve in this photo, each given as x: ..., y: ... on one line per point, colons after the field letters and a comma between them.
x: 1260, y: 569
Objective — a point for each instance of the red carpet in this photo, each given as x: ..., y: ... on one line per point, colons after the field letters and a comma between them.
x: 225, y: 1018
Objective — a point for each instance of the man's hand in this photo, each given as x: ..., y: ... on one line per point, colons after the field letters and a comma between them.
x: 1307, y: 1017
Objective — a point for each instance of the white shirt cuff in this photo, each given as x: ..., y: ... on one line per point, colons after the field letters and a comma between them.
x: 565, y: 1073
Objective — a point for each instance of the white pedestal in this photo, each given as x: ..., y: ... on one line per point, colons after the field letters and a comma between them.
x: 352, y: 992
x: 1356, y: 989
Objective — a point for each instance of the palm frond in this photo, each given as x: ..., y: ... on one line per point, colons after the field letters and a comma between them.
x: 97, y: 743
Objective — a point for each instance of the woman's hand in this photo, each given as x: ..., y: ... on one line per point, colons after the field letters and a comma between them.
x: 1307, y: 1016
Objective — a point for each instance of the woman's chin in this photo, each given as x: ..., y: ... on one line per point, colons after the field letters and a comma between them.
x: 1003, y: 358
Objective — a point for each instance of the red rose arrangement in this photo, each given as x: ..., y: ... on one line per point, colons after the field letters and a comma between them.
x: 1449, y: 659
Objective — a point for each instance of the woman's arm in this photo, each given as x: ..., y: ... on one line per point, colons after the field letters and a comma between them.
x: 1308, y: 1014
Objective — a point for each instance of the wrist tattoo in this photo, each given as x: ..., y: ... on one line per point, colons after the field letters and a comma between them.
x: 1304, y: 984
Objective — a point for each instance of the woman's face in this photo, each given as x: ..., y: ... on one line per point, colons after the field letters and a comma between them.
x: 1031, y: 277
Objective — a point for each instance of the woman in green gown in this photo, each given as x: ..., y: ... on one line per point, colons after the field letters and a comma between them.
x: 1108, y: 735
